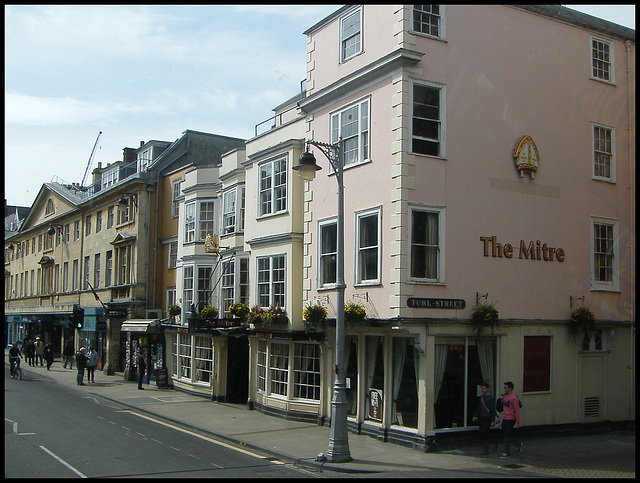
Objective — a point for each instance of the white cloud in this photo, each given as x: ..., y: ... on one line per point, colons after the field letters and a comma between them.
x: 41, y: 111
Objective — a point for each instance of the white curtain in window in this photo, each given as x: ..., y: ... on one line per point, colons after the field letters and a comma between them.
x: 399, y: 352
x: 485, y: 353
x: 441, y: 361
x: 372, y: 352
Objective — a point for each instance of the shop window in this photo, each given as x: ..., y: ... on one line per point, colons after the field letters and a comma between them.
x: 351, y: 356
x: 262, y: 365
x: 202, y: 360
x: 374, y: 369
x: 537, y: 364
x: 405, y: 383
x: 183, y: 361
x: 306, y: 371
x: 461, y: 366
x: 279, y: 368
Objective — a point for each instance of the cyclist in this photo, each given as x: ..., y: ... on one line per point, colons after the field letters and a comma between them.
x: 14, y: 355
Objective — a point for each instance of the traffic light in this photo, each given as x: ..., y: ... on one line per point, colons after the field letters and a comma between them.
x: 77, y: 317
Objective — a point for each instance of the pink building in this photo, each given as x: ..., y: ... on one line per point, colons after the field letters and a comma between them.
x: 488, y: 160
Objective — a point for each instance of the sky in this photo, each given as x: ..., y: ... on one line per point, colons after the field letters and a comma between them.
x: 141, y: 73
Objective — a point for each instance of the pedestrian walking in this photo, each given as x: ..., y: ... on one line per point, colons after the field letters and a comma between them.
x: 92, y: 362
x: 142, y: 366
x: 81, y: 364
x: 68, y: 353
x: 48, y: 355
x: 39, y: 351
x: 510, y: 418
x: 485, y: 415
x: 29, y: 349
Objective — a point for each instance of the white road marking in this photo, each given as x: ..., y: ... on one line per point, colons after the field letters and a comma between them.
x: 211, y: 440
x: 15, y: 428
x: 56, y: 457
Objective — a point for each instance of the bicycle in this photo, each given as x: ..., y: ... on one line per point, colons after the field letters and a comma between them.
x: 17, y: 370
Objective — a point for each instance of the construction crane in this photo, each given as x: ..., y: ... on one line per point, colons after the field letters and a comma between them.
x: 84, y: 178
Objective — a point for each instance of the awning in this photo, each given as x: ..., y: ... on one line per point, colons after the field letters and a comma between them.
x: 147, y: 326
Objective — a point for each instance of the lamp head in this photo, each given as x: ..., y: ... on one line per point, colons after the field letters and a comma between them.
x: 123, y: 201
x: 51, y: 231
x: 307, y: 166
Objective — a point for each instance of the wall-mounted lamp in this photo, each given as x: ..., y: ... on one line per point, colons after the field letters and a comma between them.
x: 479, y: 296
x: 52, y: 229
x: 125, y: 202
x: 11, y: 246
x: 574, y: 299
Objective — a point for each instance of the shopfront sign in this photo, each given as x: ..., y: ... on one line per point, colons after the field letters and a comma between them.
x: 419, y: 303
x: 375, y: 404
x: 116, y: 313
x: 524, y: 251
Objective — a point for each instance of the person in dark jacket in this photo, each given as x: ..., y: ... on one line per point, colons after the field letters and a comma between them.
x: 48, y: 355
x: 81, y: 364
x: 68, y: 353
x: 142, y: 366
x: 29, y: 349
x: 485, y: 415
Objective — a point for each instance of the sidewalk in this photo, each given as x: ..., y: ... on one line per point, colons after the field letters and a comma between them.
x: 589, y: 456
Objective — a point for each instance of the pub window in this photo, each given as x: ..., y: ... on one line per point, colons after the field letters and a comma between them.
x: 603, y: 153
x: 368, y: 247
x: 537, y: 364
x: 262, y: 365
x: 306, y: 371
x: 428, y: 122
x: 427, y: 247
x: 279, y: 368
x: 328, y: 248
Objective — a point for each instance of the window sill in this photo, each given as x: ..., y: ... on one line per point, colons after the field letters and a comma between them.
x: 431, y: 156
x: 603, y: 81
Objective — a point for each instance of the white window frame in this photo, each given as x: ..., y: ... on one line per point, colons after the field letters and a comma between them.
x: 440, y: 211
x: 598, y: 150
x: 273, y: 196
x: 609, y: 63
x: 613, y: 284
x: 307, y: 372
x: 442, y: 122
x: 361, y: 250
x: 172, y: 258
x: 324, y: 257
x: 175, y: 198
x: 271, y: 282
x: 190, y: 222
x: 234, y: 283
x: 188, y: 290
x: 229, y: 215
x: 362, y: 151
x: 233, y: 210
x: 346, y: 37
x: 279, y: 369
x: 441, y: 23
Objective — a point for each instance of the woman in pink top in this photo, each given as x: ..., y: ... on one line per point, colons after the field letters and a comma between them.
x: 510, y: 418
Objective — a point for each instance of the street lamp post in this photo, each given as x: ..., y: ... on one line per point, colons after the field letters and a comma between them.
x: 338, y: 451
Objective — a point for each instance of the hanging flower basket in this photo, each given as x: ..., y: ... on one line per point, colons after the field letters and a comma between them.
x: 485, y: 316
x: 209, y: 313
x: 174, y: 310
x: 314, y: 316
x: 239, y: 310
x: 354, y: 313
x: 582, y: 319
x: 273, y: 316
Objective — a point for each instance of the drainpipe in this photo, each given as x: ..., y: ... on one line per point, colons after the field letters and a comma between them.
x: 632, y: 251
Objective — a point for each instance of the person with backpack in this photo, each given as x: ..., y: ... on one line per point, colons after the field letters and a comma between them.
x: 510, y: 418
x: 485, y: 415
